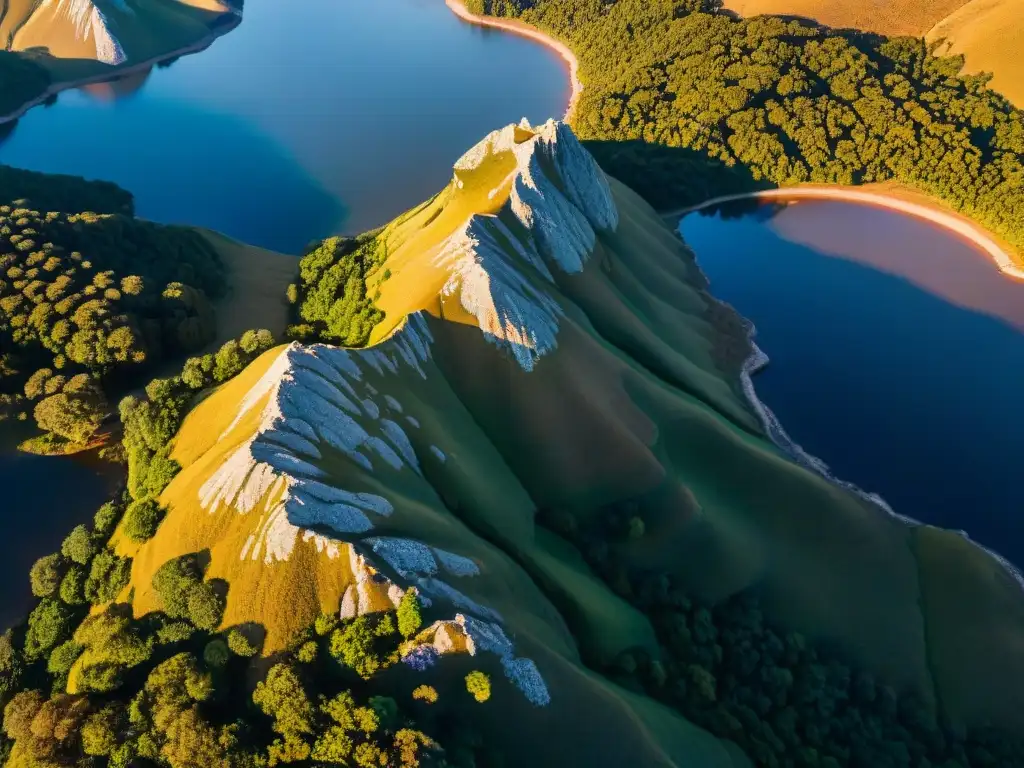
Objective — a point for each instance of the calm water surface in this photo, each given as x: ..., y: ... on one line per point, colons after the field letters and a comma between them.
x: 897, y: 354
x: 44, y: 497
x: 311, y: 117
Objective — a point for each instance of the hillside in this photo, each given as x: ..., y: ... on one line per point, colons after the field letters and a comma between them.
x: 63, y: 41
x: 990, y: 36
x: 898, y: 17
x: 592, y: 550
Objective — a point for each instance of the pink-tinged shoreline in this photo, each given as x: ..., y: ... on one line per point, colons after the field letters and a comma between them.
x: 954, y: 223
x: 528, y: 31
x: 116, y: 72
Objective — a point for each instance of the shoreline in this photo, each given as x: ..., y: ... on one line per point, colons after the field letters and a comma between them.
x: 117, y: 72
x: 953, y: 222
x: 521, y: 28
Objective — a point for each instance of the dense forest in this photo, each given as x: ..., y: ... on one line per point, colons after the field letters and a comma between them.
x: 330, y: 299
x: 785, y: 700
x: 90, y: 300
x: 682, y: 102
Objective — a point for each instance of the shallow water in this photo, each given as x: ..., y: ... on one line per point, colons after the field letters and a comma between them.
x: 310, y: 117
x: 897, y: 354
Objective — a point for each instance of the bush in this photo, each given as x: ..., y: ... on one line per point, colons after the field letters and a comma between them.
x: 479, y: 684
x: 141, y: 520
x: 46, y: 575
x: 63, y: 657
x: 216, y: 654
x: 72, y: 588
x: 425, y: 693
x: 205, y: 606
x: 409, y: 618
x: 108, y: 575
x: 79, y: 546
x: 49, y: 624
x: 241, y: 645
x: 106, y: 519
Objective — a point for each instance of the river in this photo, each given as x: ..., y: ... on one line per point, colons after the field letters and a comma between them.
x: 897, y: 354
x: 309, y: 118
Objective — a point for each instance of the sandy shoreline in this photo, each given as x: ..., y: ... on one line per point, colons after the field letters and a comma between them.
x: 117, y: 72
x: 526, y: 30
x: 954, y: 223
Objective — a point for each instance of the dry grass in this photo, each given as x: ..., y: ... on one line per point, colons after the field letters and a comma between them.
x: 887, y: 17
x: 258, y: 280
x: 990, y: 35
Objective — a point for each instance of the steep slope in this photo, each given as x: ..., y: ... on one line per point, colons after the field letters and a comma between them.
x: 110, y: 32
x: 901, y: 17
x: 548, y: 344
x: 990, y: 35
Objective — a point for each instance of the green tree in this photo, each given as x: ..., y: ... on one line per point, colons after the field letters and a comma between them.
x: 46, y: 575
x: 141, y: 519
x: 49, y: 624
x: 479, y: 685
x: 79, y: 546
x: 409, y: 618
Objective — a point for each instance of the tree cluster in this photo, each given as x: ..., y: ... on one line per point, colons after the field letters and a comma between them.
x: 785, y: 700
x: 682, y: 104
x: 21, y: 81
x: 331, y: 299
x: 88, y: 300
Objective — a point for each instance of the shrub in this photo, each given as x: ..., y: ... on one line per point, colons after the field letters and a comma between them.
x: 409, y: 618
x: 79, y: 546
x: 108, y: 575
x: 72, y: 587
x: 49, y: 624
x: 307, y: 652
x: 216, y: 653
x: 63, y: 657
x: 141, y: 520
x: 46, y: 575
x: 173, y: 581
x: 205, y: 606
x: 425, y: 693
x: 241, y: 645
x: 106, y: 519
x: 479, y: 684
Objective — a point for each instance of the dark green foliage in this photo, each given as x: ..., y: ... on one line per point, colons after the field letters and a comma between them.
x: 109, y: 573
x: 46, y: 575
x: 106, y: 519
x: 10, y: 667
x: 58, y: 192
x: 173, y: 581
x: 332, y: 294
x: 205, y: 606
x: 72, y: 587
x: 62, y: 658
x: 684, y: 105
x: 98, y: 294
x: 50, y: 623
x: 216, y: 654
x: 79, y: 546
x: 141, y: 519
x: 781, y: 699
x: 21, y: 81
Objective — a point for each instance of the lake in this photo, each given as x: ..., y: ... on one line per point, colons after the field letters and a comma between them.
x: 897, y: 354
x: 44, y: 498
x: 309, y: 118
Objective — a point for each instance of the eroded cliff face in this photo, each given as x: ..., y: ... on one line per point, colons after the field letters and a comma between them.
x: 548, y: 344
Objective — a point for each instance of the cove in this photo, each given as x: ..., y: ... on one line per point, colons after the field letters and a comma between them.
x: 305, y: 120
x: 897, y: 354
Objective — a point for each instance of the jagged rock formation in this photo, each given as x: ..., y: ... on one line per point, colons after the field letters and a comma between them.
x: 548, y: 343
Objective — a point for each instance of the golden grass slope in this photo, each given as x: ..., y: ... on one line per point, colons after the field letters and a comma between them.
x: 510, y: 375
x: 888, y: 17
x: 990, y: 35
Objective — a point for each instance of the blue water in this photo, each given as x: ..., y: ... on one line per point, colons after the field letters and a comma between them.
x: 895, y: 355
x: 311, y: 117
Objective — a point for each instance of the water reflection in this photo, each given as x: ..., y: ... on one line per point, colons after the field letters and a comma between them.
x: 896, y: 355
x: 118, y: 88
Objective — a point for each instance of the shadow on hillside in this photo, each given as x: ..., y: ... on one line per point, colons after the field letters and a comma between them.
x: 671, y: 177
